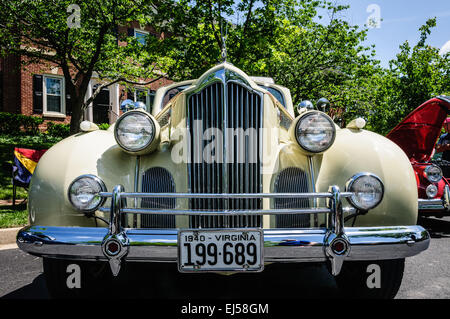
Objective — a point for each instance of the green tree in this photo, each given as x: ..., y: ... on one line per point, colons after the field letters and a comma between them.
x: 416, y: 74
x: 82, y: 40
x: 304, y: 45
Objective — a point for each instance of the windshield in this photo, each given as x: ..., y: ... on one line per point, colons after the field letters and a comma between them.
x: 277, y: 94
x: 171, y: 93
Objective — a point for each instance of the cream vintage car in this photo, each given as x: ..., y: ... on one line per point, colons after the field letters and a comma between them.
x: 224, y: 178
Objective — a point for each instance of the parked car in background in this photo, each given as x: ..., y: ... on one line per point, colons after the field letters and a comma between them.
x: 417, y: 135
x: 224, y: 178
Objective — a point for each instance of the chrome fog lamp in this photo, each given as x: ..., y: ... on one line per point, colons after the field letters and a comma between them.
x: 315, y: 132
x: 367, y: 189
x: 431, y: 191
x: 433, y: 173
x: 135, y: 131
x: 84, y: 193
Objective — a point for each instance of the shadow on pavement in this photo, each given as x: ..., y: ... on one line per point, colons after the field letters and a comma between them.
x: 163, y: 281
x: 36, y: 290
x: 278, y: 281
x: 438, y: 228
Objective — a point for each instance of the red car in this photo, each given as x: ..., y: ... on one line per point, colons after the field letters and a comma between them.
x: 417, y: 135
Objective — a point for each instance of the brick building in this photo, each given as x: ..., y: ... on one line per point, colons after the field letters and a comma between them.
x: 39, y: 89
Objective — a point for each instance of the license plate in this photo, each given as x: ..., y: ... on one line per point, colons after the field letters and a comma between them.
x: 220, y: 250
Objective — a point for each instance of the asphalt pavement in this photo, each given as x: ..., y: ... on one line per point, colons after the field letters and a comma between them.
x: 427, y: 276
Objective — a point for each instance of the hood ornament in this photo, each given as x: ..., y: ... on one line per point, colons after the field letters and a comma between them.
x: 224, y: 50
x: 224, y: 38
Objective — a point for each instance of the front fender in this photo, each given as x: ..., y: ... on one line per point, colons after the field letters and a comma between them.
x: 85, y: 153
x: 356, y: 151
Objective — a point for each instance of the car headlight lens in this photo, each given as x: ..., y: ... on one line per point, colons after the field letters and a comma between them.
x: 315, y: 132
x: 84, y: 193
x: 367, y: 190
x: 431, y: 191
x: 134, y: 131
x: 433, y: 173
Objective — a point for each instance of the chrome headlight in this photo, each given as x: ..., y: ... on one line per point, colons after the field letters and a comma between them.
x: 315, y: 132
x: 84, y: 193
x: 433, y: 173
x: 135, y: 131
x: 367, y: 190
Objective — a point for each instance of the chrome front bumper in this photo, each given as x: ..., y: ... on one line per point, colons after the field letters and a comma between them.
x: 441, y: 205
x: 280, y: 245
x: 335, y: 243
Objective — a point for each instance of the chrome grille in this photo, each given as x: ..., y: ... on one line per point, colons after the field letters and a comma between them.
x: 236, y: 168
x: 158, y: 180
x: 291, y: 180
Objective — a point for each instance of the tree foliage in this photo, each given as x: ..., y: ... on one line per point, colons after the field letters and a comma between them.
x: 302, y: 44
x: 416, y: 74
x: 47, y: 31
x: 305, y: 45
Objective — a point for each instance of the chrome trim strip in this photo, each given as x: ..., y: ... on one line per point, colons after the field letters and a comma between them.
x: 247, y: 212
x: 136, y: 187
x: 431, y: 204
x: 280, y: 245
x: 313, y: 188
x: 229, y: 195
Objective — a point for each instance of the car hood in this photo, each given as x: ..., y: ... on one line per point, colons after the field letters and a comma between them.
x: 418, y: 132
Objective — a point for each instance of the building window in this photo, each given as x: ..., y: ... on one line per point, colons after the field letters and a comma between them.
x: 144, y: 95
x: 141, y: 95
x: 140, y: 36
x: 53, y: 94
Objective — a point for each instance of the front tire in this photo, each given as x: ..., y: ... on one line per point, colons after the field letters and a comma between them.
x: 62, y: 282
x: 358, y: 279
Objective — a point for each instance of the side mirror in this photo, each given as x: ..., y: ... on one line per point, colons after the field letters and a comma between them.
x: 139, y: 105
x: 323, y: 105
x: 126, y: 105
x: 305, y: 104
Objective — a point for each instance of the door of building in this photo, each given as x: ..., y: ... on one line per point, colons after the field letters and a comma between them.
x: 101, y: 106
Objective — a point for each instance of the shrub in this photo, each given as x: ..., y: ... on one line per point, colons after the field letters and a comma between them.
x: 58, y: 130
x: 30, y: 124
x: 15, y: 124
x: 104, y: 126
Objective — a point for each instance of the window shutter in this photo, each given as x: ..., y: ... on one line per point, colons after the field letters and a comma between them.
x: 130, y: 95
x: 38, y: 93
x: 68, y: 105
